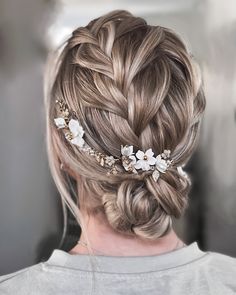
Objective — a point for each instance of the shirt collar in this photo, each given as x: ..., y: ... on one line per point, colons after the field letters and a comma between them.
x: 126, y: 264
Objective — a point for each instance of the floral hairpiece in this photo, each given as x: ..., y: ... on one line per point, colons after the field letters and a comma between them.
x: 130, y: 161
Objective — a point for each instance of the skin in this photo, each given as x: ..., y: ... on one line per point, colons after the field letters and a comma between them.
x: 105, y: 241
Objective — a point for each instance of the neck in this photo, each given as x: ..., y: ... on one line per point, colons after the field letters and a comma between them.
x: 104, y: 239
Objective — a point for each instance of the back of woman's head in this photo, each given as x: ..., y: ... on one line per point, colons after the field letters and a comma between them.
x: 128, y: 83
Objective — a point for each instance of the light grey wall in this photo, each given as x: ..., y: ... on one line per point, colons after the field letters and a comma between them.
x: 29, y: 206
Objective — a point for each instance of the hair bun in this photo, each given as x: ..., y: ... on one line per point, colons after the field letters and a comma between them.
x: 145, y: 208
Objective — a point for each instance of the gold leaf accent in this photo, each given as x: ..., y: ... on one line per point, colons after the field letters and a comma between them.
x: 155, y: 175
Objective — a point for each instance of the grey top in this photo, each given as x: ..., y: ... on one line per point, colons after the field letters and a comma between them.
x: 184, y: 271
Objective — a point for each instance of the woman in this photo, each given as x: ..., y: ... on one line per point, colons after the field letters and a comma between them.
x: 124, y: 104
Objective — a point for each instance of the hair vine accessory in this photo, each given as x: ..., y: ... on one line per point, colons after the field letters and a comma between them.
x: 131, y: 162
x: 145, y: 161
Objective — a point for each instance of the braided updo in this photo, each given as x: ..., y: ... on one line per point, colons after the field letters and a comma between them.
x: 128, y: 83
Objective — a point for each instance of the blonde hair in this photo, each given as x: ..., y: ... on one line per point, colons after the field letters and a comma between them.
x: 128, y: 83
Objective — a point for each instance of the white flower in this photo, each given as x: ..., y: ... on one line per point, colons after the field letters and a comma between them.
x: 161, y: 164
x: 127, y: 150
x: 60, y: 122
x: 75, y: 128
x: 79, y: 141
x: 145, y: 159
x: 166, y: 154
x: 77, y: 132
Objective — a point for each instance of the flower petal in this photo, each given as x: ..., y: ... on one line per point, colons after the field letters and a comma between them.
x: 75, y: 128
x: 130, y: 150
x: 60, y: 122
x: 158, y: 158
x: 149, y: 153
x: 138, y: 165
x: 127, y: 150
x: 161, y: 165
x: 167, y: 153
x: 145, y: 166
x: 140, y: 154
x: 151, y: 161
x: 79, y: 141
x: 133, y: 158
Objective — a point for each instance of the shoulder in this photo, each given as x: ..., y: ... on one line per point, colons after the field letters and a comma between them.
x: 222, y: 262
x: 17, y: 282
x: 221, y: 269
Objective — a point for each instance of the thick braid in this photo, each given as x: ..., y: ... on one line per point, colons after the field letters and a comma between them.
x: 95, y: 55
x: 117, y: 91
